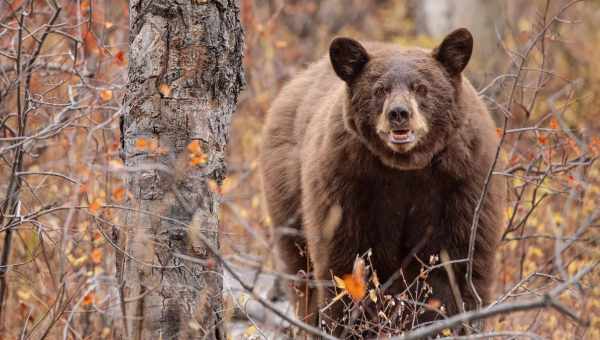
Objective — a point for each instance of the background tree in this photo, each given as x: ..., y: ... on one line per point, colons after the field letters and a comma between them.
x: 185, y: 74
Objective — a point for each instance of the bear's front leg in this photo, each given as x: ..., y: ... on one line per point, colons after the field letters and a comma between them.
x: 333, y: 315
x: 332, y: 254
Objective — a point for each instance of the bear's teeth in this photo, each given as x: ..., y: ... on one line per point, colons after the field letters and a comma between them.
x: 401, y: 136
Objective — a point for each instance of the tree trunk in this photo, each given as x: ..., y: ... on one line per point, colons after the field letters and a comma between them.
x: 185, y: 73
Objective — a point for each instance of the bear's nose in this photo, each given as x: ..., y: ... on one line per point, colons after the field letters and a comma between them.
x: 398, y: 114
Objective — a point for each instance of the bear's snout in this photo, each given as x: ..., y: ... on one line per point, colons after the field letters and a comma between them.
x: 398, y: 116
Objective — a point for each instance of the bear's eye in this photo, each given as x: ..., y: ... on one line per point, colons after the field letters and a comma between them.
x: 421, y: 90
x: 380, y: 91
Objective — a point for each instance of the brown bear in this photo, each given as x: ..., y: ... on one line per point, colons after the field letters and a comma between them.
x: 395, y: 144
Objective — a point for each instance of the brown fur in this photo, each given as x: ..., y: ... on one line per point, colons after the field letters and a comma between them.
x: 322, y: 150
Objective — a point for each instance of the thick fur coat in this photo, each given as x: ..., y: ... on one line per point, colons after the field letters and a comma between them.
x: 384, y: 148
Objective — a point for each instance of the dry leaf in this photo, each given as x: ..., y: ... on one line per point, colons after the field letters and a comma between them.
x: 198, y: 160
x: 96, y: 256
x: 106, y: 95
x: 250, y: 331
x: 373, y: 295
x: 95, y: 205
x: 434, y: 303
x: 89, y: 299
x: 24, y: 294
x: 195, y: 147
x: 499, y: 132
x: 197, y: 155
x: 355, y: 283
x: 141, y: 144
x: 120, y: 57
x: 165, y: 90
x: 116, y: 164
x: 118, y: 194
x: 339, y: 282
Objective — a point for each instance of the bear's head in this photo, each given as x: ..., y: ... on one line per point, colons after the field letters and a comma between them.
x: 402, y: 103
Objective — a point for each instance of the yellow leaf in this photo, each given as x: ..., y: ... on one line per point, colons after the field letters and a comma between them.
x: 373, y: 295
x: 536, y: 252
x: 116, y: 164
x: 195, y: 325
x: 243, y: 299
x: 76, y: 261
x: 106, y: 95
x: 250, y: 331
x: 24, y: 294
x: 105, y: 332
x: 446, y: 332
x: 339, y: 282
x: 165, y: 90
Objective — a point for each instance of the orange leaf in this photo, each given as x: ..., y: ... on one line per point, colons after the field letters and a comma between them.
x: 198, y: 160
x: 197, y: 155
x: 554, y: 124
x: 141, y: 144
x: 165, y: 90
x: 542, y: 139
x: 106, y: 95
x: 95, y: 206
x: 194, y: 147
x: 89, y: 299
x: 120, y: 58
x: 119, y: 194
x: 96, y: 256
x: 434, y: 303
x: 355, y: 283
x: 90, y: 43
x: 499, y: 132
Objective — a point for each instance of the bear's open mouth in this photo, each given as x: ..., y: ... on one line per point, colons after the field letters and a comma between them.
x: 401, y: 136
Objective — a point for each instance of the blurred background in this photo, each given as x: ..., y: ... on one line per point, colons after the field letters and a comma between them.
x: 547, y: 83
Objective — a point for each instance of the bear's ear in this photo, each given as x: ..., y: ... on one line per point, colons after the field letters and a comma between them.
x: 348, y: 57
x: 455, y: 51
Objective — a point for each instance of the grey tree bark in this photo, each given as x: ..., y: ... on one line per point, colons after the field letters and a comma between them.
x: 185, y: 74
